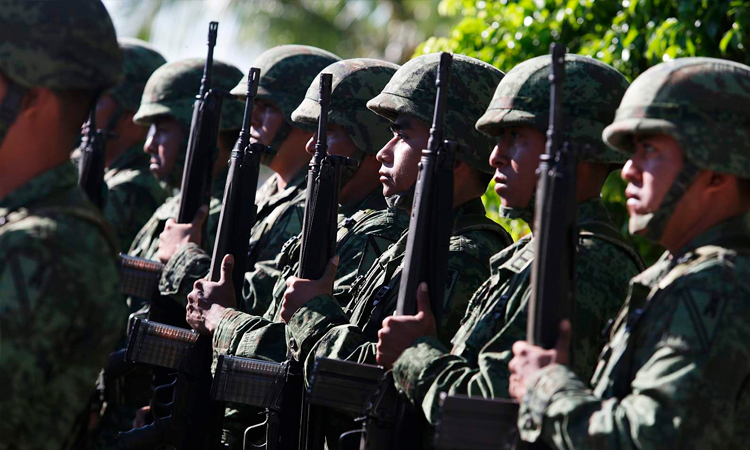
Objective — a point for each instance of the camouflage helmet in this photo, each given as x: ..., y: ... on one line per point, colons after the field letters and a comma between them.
x: 703, y: 103
x: 140, y: 60
x: 60, y: 45
x: 592, y: 91
x: 285, y: 73
x: 412, y: 91
x: 171, y: 91
x: 355, y: 81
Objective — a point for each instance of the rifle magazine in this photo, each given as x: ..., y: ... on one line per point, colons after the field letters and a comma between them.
x: 160, y: 345
x: 343, y: 385
x: 249, y: 381
x: 139, y: 277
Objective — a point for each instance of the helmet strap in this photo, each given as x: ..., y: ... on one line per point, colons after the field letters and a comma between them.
x: 651, y: 226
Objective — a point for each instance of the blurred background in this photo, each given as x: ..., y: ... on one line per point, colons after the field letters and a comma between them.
x: 631, y: 35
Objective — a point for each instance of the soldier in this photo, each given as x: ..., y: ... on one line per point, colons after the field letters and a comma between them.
x: 61, y: 311
x: 316, y: 324
x: 517, y: 118
x: 356, y: 132
x: 133, y: 193
x: 286, y: 71
x: 167, y: 108
x: 674, y: 373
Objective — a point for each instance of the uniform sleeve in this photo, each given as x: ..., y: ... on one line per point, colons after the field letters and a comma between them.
x: 189, y: 264
x: 425, y: 370
x: 61, y: 314
x: 348, y: 342
x: 690, y: 390
x: 249, y: 336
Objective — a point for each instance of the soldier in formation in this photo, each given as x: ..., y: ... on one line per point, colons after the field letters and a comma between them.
x: 670, y: 372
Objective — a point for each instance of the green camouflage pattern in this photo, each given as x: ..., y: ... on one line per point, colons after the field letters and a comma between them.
x: 59, y: 44
x: 412, y: 92
x: 61, y: 311
x: 140, y: 60
x: 323, y: 328
x: 285, y: 73
x: 477, y: 364
x: 674, y: 373
x: 701, y: 102
x: 355, y: 81
x: 133, y: 194
x: 591, y: 92
x: 146, y: 242
x: 279, y: 217
x: 172, y: 88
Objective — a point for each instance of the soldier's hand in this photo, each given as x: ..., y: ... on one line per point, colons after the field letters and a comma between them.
x: 529, y: 359
x: 399, y: 332
x: 208, y: 300
x: 300, y: 291
x: 175, y: 235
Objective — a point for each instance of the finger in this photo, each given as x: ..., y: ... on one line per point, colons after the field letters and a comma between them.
x: 423, y: 300
x: 330, y: 274
x: 227, y: 264
x: 200, y: 217
x: 290, y: 281
x: 198, y: 285
x: 169, y: 223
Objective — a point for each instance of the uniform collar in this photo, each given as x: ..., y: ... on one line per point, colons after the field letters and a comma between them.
x: 58, y: 178
x: 729, y: 233
x: 374, y: 201
x: 133, y: 156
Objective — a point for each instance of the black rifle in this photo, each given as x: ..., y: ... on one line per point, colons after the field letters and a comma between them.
x: 390, y: 421
x: 195, y: 421
x: 194, y: 192
x: 318, y: 246
x: 91, y: 165
x: 552, y: 284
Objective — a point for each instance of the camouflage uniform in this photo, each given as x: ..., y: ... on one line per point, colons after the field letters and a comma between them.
x: 674, y: 373
x: 286, y: 71
x: 133, y: 192
x: 322, y: 327
x: 61, y: 311
x: 478, y: 361
x: 171, y: 92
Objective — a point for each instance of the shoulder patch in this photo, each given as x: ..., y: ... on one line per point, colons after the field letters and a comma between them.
x: 697, y: 317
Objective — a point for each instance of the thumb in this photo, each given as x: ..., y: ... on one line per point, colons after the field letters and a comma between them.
x: 200, y: 216
x: 330, y: 274
x: 423, y: 300
x: 227, y: 264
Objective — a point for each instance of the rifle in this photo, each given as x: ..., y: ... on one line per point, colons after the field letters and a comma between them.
x: 552, y: 284
x: 91, y: 165
x: 389, y: 421
x: 195, y: 421
x: 194, y: 191
x: 279, y: 387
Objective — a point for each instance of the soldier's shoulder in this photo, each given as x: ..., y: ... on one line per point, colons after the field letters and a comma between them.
x: 480, y: 244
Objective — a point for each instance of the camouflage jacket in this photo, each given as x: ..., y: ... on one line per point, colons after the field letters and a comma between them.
x: 134, y: 194
x: 279, y: 217
x: 61, y: 311
x: 323, y: 328
x: 497, y: 317
x: 361, y: 238
x: 675, y: 372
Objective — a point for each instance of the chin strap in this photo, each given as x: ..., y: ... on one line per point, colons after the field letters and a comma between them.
x: 402, y: 200
x: 651, y: 226
x: 10, y: 107
x: 526, y: 214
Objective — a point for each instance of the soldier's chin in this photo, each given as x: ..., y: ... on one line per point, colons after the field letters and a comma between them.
x: 638, y: 223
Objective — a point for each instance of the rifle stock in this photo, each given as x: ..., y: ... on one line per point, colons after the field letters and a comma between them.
x: 91, y: 165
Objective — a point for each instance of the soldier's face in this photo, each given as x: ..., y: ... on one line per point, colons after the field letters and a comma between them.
x: 515, y: 159
x: 163, y: 143
x: 339, y: 142
x: 266, y: 120
x: 400, y: 156
x: 650, y: 173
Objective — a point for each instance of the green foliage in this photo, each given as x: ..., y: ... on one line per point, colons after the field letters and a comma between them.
x: 631, y: 35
